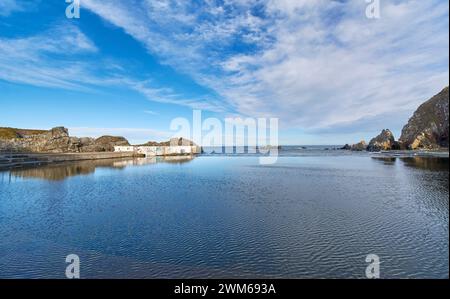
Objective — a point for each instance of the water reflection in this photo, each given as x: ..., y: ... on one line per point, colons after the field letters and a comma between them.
x: 58, y: 172
x: 386, y: 160
x: 426, y: 163
x: 435, y: 164
x: 432, y: 173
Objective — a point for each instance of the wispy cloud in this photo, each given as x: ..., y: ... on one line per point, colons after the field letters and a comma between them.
x: 64, y: 57
x: 9, y: 6
x: 50, y: 59
x: 167, y: 95
x: 150, y: 112
x: 317, y: 65
x: 313, y: 64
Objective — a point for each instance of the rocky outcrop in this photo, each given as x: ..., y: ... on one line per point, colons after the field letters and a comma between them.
x: 57, y: 140
x: 172, y: 142
x: 360, y: 146
x: 428, y: 127
x: 102, y: 144
x: 383, y: 142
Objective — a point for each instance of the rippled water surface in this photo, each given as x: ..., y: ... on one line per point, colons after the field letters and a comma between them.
x: 227, y: 217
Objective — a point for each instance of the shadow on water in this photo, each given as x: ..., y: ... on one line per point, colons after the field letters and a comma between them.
x: 386, y: 160
x: 424, y: 163
x: 58, y: 172
x: 435, y: 164
x: 432, y: 172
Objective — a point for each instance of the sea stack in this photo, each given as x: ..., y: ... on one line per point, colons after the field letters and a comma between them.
x: 383, y: 142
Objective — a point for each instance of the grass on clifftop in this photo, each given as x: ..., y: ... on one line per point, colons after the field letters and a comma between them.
x: 9, y: 133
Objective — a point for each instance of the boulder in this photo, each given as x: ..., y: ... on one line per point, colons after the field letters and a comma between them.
x: 383, y: 142
x: 428, y: 127
x: 346, y: 147
x: 360, y: 146
x: 56, y: 140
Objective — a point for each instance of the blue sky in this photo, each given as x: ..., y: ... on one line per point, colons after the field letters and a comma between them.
x: 330, y: 74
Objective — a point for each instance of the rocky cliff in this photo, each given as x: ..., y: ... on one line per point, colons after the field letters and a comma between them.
x: 428, y: 127
x: 383, y: 142
x: 56, y: 140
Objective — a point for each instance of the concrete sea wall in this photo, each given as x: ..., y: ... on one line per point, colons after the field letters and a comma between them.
x: 8, y: 161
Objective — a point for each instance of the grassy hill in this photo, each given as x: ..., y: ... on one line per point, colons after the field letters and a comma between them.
x: 9, y: 133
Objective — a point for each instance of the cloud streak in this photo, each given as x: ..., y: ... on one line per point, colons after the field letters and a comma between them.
x: 313, y: 64
x: 7, y: 7
x: 64, y: 57
x: 316, y: 65
x: 31, y: 60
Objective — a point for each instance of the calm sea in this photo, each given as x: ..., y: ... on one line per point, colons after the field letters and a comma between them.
x: 316, y: 213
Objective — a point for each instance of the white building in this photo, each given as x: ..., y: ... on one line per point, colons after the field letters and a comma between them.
x: 152, y: 151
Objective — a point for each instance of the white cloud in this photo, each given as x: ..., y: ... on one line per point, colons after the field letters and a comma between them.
x: 31, y: 60
x: 313, y: 64
x: 9, y: 6
x: 151, y: 112
x: 64, y: 57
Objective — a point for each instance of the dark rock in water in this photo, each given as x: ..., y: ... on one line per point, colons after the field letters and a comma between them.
x: 360, y: 146
x: 428, y: 127
x: 383, y: 142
